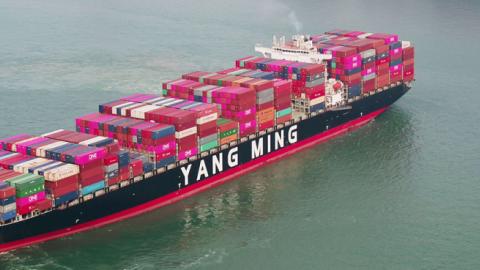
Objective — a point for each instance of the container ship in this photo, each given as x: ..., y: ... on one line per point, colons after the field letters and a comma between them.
x: 145, y: 151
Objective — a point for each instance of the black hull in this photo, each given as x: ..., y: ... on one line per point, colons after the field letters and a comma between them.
x: 172, y: 181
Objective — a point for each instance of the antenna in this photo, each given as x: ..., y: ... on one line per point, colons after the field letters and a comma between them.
x: 275, y: 43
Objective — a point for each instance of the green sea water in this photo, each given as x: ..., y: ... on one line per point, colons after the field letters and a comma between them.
x: 402, y: 192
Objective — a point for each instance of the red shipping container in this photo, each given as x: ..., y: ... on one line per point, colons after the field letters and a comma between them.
x: 206, y: 126
x: 7, y: 192
x: 110, y: 159
x: 165, y: 154
x: 91, y: 165
x: 266, y: 125
x: 62, y: 190
x: 368, y: 65
x: 409, y: 73
x: 207, y: 132
x: 92, y: 179
x: 312, y: 69
x: 113, y: 180
x: 187, y: 146
x: 382, y: 49
x: 248, y: 131
x: 90, y: 172
x: 383, y: 80
x: 263, y: 106
x: 408, y: 53
x: 314, y: 92
x: 136, y: 166
x: 283, y: 119
x: 63, y: 182
x: 383, y: 61
x: 44, y: 204
x: 368, y: 85
x: 124, y: 173
x: 26, y: 209
x: 408, y: 62
x: 341, y: 51
x: 396, y: 76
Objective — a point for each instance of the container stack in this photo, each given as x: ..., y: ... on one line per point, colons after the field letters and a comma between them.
x: 61, y: 180
x: 346, y: 65
x: 282, y: 90
x: 238, y: 104
x: 408, y: 62
x: 308, y: 80
x: 183, y: 89
x: 395, y: 54
x: 155, y: 140
x: 89, y: 159
x: 205, y: 115
x: 354, y: 62
x: 282, y: 96
x: 227, y: 130
x: 110, y: 145
x: 185, y: 128
x: 8, y: 206
x: 269, y: 94
x: 381, y: 59
x: 235, y: 102
x: 29, y: 188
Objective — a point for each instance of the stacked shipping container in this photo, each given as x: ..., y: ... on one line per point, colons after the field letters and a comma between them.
x: 364, y: 61
x: 234, y: 102
x: 308, y: 80
x: 205, y: 115
x: 156, y: 140
x: 282, y: 91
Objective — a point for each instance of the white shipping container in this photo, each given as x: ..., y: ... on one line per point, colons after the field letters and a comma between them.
x: 8, y: 208
x: 92, y: 140
x: 140, y: 112
x: 61, y: 172
x: 51, y: 133
x: 207, y: 118
x: 14, y: 146
x: 41, y: 150
x: 46, y: 166
x: 123, y: 111
x: 365, y: 35
x: 153, y: 100
x: 114, y: 108
x: 186, y: 132
x: 23, y: 167
x: 317, y: 100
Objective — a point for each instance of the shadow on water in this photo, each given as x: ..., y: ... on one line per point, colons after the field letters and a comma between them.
x: 173, y: 236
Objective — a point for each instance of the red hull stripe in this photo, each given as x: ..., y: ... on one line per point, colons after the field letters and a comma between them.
x: 197, y: 187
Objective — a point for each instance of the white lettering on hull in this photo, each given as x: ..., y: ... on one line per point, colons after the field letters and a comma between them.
x: 215, y: 164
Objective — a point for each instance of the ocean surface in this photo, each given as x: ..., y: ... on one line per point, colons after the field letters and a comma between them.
x: 402, y: 192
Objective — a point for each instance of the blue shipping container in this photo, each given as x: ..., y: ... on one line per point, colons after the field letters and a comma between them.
x: 7, y: 201
x: 8, y: 216
x: 66, y: 198
x: 93, y: 187
x: 354, y: 90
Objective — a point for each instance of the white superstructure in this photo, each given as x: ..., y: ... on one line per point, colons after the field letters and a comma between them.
x: 299, y: 49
